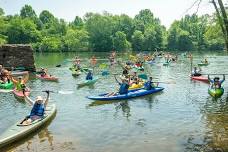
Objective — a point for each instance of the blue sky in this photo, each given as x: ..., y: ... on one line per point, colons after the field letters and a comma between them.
x: 166, y: 10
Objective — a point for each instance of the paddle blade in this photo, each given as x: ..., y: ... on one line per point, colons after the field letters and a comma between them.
x: 65, y: 92
x: 143, y: 76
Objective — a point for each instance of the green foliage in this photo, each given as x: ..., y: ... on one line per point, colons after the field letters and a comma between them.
x: 120, y: 42
x: 22, y: 31
x: 76, y: 40
x: 137, y: 41
x: 105, y: 32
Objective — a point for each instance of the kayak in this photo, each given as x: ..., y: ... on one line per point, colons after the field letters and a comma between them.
x: 130, y: 94
x: 19, y: 94
x: 105, y: 73
x: 139, y: 68
x: 7, y: 86
x: 200, y: 78
x: 19, y: 73
x: 166, y: 63
x: 203, y: 64
x: 47, y: 77
x: 150, y: 62
x: 216, y: 93
x: 87, y: 82
x: 18, y: 132
x: 76, y: 73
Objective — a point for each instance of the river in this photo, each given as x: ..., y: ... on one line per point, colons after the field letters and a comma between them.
x: 181, y: 118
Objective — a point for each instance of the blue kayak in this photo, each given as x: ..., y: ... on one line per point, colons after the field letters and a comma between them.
x: 130, y: 94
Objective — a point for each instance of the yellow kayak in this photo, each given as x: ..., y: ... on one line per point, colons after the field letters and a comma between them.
x: 136, y: 86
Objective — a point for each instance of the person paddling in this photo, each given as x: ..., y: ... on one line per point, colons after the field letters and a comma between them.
x: 43, y: 72
x: 89, y: 75
x: 149, y: 84
x: 20, y: 83
x: 38, y: 109
x: 123, y: 88
x: 196, y: 72
x: 216, y: 83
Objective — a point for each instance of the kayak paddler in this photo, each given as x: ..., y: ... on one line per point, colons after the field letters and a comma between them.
x: 89, y: 76
x: 43, y: 72
x: 38, y: 109
x: 216, y: 83
x: 20, y: 83
x: 149, y: 84
x: 196, y: 72
x: 123, y: 87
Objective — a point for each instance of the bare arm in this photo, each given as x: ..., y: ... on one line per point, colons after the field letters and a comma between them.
x: 27, y: 99
x: 13, y: 80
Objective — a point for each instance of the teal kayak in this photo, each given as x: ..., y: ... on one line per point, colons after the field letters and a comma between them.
x: 17, y: 132
x: 216, y: 93
x: 7, y: 85
x: 88, y: 82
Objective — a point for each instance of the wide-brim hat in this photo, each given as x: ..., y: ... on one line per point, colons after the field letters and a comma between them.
x: 39, y: 98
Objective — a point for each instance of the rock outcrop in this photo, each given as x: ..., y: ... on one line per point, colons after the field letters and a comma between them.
x: 18, y: 56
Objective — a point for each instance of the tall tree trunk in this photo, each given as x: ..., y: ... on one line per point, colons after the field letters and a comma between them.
x: 224, y: 31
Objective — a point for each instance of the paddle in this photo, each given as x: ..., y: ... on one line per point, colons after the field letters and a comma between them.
x: 213, y: 74
x: 60, y: 91
x: 171, y: 82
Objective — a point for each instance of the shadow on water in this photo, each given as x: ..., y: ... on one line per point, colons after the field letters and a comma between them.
x: 215, y: 139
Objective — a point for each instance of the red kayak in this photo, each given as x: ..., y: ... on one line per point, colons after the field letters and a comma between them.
x: 47, y: 77
x: 19, y: 94
x: 200, y: 78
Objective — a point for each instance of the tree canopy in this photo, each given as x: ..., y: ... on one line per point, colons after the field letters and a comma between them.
x: 105, y: 32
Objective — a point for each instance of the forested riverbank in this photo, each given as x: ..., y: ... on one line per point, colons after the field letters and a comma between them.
x: 106, y: 32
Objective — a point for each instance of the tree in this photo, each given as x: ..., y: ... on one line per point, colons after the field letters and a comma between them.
x: 50, y: 44
x: 120, y: 41
x: 137, y: 41
x: 100, y: 29
x: 1, y: 12
x: 46, y: 17
x: 76, y: 40
x: 27, y: 12
x: 22, y: 31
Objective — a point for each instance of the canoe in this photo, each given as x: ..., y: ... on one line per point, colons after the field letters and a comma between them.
x: 7, y: 86
x: 19, y: 94
x: 17, y: 132
x: 88, y: 82
x: 47, y: 77
x: 216, y: 93
x: 200, y: 78
x: 19, y: 73
x: 130, y: 94
x: 203, y: 64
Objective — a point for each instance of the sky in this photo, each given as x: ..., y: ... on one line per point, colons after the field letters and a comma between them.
x: 166, y: 10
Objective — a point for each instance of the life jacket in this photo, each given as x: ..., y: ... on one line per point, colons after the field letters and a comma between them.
x: 20, y: 86
x: 148, y: 85
x: 89, y: 76
x: 123, y: 88
x: 37, y: 110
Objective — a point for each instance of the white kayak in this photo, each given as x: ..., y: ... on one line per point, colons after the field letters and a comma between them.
x: 18, y: 131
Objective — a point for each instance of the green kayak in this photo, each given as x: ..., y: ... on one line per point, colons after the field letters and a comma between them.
x: 166, y: 63
x: 87, y: 82
x: 203, y: 64
x: 216, y: 93
x: 17, y: 132
x: 6, y: 86
x: 76, y: 73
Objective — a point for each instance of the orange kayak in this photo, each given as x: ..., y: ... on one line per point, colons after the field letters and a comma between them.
x: 47, y: 78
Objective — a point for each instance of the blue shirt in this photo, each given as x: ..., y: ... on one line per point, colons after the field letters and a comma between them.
x: 37, y: 110
x: 123, y: 88
x: 89, y: 76
x: 148, y: 85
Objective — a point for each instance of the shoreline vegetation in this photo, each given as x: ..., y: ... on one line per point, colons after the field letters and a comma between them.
x: 105, y: 32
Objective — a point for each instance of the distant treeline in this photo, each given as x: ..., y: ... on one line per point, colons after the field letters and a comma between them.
x: 106, y: 32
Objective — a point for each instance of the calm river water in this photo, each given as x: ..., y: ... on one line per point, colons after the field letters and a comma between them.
x: 181, y: 118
